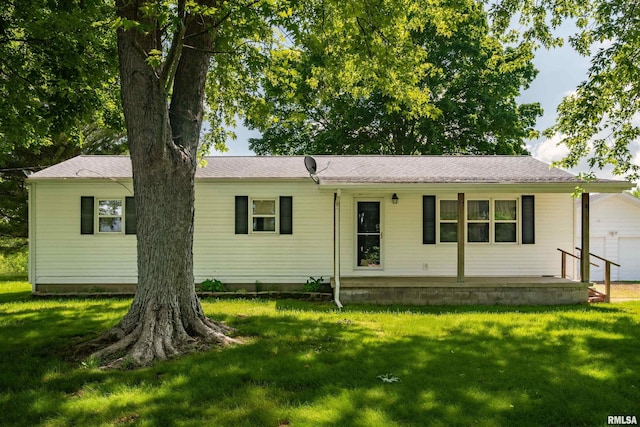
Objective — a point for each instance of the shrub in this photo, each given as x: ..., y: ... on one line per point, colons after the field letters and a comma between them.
x: 16, y: 263
x: 313, y: 284
x: 214, y: 285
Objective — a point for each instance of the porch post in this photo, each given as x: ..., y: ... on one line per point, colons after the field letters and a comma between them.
x: 461, y: 227
x: 585, y: 264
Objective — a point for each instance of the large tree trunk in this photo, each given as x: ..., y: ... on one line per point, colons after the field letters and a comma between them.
x: 165, y: 318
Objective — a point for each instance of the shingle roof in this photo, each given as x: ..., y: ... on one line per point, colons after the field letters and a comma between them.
x: 339, y: 169
x: 88, y: 167
x: 438, y: 169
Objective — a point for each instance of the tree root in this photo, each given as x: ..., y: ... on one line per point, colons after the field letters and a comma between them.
x: 160, y: 335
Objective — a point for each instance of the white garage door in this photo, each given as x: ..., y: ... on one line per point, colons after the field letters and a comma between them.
x: 596, y: 246
x: 629, y: 255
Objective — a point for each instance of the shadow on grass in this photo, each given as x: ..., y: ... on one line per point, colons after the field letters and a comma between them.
x: 294, y: 305
x: 13, y: 277
x: 14, y: 296
x: 38, y: 337
x: 12, y: 289
x: 567, y: 368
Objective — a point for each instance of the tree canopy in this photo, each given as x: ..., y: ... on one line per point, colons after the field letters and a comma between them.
x: 600, y: 121
x: 58, y: 71
x: 467, y: 77
x: 58, y: 95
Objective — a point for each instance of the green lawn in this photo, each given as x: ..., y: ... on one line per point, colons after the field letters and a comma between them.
x: 306, y: 364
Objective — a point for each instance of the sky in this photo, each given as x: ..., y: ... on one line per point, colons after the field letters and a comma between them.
x: 560, y: 71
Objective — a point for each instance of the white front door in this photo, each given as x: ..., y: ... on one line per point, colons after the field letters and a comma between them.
x: 368, y: 235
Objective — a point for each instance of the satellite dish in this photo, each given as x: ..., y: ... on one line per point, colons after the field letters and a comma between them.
x: 310, y: 164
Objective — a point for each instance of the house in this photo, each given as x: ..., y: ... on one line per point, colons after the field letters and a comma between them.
x: 615, y: 235
x: 384, y: 229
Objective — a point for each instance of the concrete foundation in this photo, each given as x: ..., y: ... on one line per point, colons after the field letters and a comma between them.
x: 473, y: 291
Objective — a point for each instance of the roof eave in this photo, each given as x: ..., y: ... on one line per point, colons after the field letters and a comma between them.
x: 540, y: 187
x: 252, y: 179
x: 77, y: 178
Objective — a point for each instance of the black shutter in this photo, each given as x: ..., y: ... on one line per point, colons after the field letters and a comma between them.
x: 428, y: 220
x: 242, y: 214
x: 286, y: 215
x: 130, y: 221
x: 86, y: 215
x: 528, y: 220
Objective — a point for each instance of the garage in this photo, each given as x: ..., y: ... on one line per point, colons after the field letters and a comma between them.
x: 629, y: 255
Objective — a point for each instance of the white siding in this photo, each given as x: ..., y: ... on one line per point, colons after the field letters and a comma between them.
x: 269, y: 258
x: 63, y: 255
x: 597, y: 246
x: 403, y: 253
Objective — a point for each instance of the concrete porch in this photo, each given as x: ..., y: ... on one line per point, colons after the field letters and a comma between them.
x: 513, y: 290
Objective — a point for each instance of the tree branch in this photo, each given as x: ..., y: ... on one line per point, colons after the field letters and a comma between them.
x: 171, y: 64
x: 221, y: 20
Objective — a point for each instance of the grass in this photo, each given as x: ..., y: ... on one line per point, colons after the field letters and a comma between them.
x: 307, y: 364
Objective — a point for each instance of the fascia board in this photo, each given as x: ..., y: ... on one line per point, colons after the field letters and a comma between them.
x: 531, y: 187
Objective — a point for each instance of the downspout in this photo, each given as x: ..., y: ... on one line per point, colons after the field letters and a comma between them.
x: 336, y: 249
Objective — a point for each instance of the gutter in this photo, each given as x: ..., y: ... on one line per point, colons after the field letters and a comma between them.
x: 494, y: 187
x: 336, y: 249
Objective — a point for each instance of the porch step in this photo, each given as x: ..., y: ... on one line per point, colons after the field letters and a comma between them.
x: 595, y: 296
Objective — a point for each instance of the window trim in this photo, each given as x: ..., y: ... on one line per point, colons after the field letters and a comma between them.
x: 98, y: 216
x: 517, y: 222
x: 487, y: 221
x: 276, y: 216
x: 446, y: 221
x: 491, y: 221
x: 380, y: 233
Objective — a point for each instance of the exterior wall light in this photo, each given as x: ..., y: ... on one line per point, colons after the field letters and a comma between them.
x: 394, y: 199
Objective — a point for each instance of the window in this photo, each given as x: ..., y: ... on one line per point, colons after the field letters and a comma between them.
x: 505, y: 221
x: 109, y: 215
x: 113, y: 216
x: 263, y: 215
x: 448, y: 221
x: 487, y: 221
x: 478, y: 221
x: 497, y: 215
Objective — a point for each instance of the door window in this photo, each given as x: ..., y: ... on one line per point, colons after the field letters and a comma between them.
x: 368, y: 234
